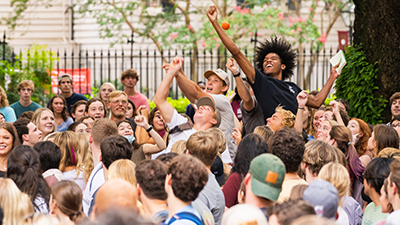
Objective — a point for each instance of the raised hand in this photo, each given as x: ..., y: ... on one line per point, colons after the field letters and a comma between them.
x: 231, y: 65
x: 237, y: 136
x: 141, y: 121
x: 166, y: 67
x: 175, y: 65
x: 334, y: 72
x: 302, y: 99
x: 142, y: 109
x: 335, y: 106
x: 212, y: 13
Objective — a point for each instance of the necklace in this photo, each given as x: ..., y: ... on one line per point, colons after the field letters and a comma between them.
x: 3, y: 167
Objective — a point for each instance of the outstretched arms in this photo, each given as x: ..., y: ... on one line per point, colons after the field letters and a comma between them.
x: 166, y: 109
x: 316, y: 101
x: 302, y: 99
x: 241, y: 59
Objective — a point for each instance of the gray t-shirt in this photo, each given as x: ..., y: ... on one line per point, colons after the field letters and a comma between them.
x: 227, y: 121
x: 213, y: 198
x: 252, y: 119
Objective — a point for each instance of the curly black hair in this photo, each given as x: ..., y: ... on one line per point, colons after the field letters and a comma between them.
x: 280, y: 47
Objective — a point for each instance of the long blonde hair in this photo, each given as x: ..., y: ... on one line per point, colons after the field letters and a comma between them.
x: 36, y: 118
x: 337, y: 175
x: 68, y: 143
x: 4, y: 99
x: 85, y: 154
x: 16, y: 204
x: 124, y: 169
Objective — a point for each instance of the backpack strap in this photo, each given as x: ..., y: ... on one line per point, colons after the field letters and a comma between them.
x: 186, y: 216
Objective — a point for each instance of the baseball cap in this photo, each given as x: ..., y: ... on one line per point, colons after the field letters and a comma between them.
x: 217, y: 168
x: 208, y: 101
x: 63, y: 76
x: 219, y: 73
x: 324, y: 197
x: 244, y: 214
x: 267, y: 175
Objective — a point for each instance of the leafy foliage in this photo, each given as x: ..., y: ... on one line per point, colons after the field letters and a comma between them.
x: 34, y: 64
x: 357, y: 85
x: 179, y: 104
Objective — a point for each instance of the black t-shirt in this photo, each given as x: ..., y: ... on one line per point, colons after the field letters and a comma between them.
x: 271, y: 92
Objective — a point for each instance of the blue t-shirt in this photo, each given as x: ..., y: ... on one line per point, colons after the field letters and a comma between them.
x: 19, y: 109
x: 74, y: 98
x: 65, y: 124
x: 9, y: 114
x: 188, y: 209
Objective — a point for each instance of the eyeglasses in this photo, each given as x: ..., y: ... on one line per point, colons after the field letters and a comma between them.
x: 123, y: 102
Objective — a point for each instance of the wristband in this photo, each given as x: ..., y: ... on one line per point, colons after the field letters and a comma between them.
x: 149, y: 129
x: 301, y: 108
x: 237, y: 75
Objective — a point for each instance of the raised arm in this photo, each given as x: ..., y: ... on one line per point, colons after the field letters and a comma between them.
x: 244, y: 93
x: 160, y: 99
x: 302, y: 99
x: 149, y: 148
x: 336, y: 112
x: 316, y: 101
x: 240, y: 58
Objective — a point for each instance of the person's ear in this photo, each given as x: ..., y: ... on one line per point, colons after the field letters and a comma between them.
x: 225, y: 88
x: 394, y: 188
x: 283, y: 66
x: 247, y: 179
x: 139, y: 189
x: 90, y: 138
x: 25, y: 137
x: 213, y: 121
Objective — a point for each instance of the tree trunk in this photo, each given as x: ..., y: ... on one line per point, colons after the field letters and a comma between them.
x: 377, y: 27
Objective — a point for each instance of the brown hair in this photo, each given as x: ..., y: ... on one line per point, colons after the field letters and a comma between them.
x: 95, y: 100
x: 385, y: 136
x: 289, y: 211
x: 394, y: 176
x: 395, y: 96
x: 116, y: 94
x: 64, y: 113
x: 26, y: 83
x: 179, y: 147
x: 11, y: 129
x: 362, y: 143
x: 77, y: 104
x: 221, y: 139
x: 129, y: 73
x: 189, y: 176
x: 317, y: 154
x: 151, y: 178
x: 202, y: 146
x: 103, y: 128
x: 68, y: 196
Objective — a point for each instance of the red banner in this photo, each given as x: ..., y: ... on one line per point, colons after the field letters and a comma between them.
x: 343, y: 39
x: 80, y: 78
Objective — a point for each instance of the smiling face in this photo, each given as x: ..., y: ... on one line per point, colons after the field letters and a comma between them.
x: 275, y: 121
x: 79, y: 112
x: 46, y: 123
x: 105, y: 92
x: 118, y: 105
x: 34, y: 135
x: 6, y: 143
x: 318, y: 119
x: 323, y: 131
x: 272, y: 65
x: 204, y: 115
x: 395, y: 107
x: 96, y: 110
x: 125, y: 129
x: 25, y: 93
x: 158, y: 121
x: 215, y: 85
x: 58, y: 105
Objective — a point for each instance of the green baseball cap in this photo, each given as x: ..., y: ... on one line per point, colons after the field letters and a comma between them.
x: 267, y: 175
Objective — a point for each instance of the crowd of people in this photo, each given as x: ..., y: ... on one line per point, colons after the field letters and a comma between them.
x: 269, y: 155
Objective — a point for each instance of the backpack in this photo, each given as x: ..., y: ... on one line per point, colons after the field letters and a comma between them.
x: 185, y: 216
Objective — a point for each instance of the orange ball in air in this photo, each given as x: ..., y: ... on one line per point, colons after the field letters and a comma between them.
x: 225, y: 25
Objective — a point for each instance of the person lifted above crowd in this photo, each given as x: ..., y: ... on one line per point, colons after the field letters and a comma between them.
x: 275, y: 62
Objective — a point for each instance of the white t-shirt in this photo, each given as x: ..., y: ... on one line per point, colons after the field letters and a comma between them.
x: 227, y: 123
x: 72, y: 176
x: 95, y: 180
x: 176, y: 120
